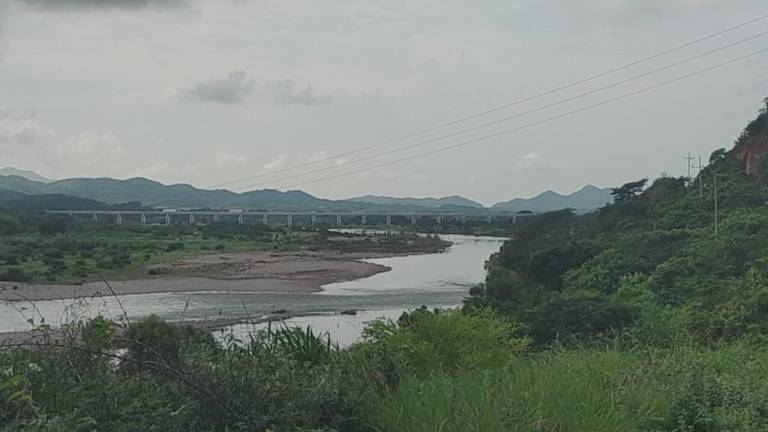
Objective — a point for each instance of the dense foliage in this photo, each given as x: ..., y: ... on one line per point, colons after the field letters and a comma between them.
x: 649, y: 259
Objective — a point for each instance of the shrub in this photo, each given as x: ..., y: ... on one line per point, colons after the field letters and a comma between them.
x: 15, y: 274
x: 424, y: 342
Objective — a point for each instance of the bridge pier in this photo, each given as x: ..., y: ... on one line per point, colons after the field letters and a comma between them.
x: 338, y: 221
x: 314, y: 219
x: 240, y: 219
x: 389, y: 220
x: 216, y: 218
x: 290, y: 220
x: 192, y: 219
x: 168, y: 220
x: 439, y: 220
x: 119, y: 219
x: 265, y: 220
x: 463, y: 220
x: 362, y: 219
x: 95, y: 217
x: 413, y: 220
x: 143, y: 219
x: 489, y: 219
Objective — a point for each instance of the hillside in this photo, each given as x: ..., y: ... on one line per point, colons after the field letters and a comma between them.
x: 587, y: 198
x: 652, y: 262
x: 29, y: 175
x: 155, y: 194
x: 417, y: 202
x: 50, y: 202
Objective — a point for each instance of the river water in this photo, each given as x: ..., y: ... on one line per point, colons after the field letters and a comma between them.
x: 435, y: 280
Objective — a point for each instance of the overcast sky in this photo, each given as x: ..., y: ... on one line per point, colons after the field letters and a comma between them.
x: 210, y: 91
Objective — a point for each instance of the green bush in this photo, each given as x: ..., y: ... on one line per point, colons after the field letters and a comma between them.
x: 425, y: 342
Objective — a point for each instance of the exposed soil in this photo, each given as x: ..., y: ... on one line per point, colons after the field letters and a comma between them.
x: 236, y: 272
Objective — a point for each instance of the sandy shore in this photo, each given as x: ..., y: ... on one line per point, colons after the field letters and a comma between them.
x: 240, y: 272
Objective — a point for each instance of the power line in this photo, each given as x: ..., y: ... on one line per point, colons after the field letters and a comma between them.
x: 505, y: 106
x: 508, y: 118
x: 529, y: 125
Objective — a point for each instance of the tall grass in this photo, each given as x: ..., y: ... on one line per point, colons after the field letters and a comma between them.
x: 684, y: 389
x: 585, y: 391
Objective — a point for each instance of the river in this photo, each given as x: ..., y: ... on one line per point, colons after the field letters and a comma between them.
x: 435, y: 280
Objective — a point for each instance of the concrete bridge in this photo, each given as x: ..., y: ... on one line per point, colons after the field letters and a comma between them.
x: 281, y: 218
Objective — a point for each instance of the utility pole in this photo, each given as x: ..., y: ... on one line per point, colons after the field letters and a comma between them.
x: 716, y: 221
x: 690, y: 159
x: 700, y: 167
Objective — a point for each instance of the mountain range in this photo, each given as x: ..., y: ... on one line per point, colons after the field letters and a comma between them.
x: 30, y: 175
x: 587, y: 198
x: 417, y: 202
x: 25, y: 189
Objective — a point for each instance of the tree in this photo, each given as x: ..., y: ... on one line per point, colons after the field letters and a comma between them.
x: 717, y: 155
x: 629, y: 190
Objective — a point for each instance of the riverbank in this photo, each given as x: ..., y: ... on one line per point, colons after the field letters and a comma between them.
x: 260, y: 272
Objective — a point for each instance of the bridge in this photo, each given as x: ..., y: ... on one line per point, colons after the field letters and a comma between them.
x: 279, y: 218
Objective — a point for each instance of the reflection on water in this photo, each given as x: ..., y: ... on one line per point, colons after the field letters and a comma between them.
x: 438, y: 280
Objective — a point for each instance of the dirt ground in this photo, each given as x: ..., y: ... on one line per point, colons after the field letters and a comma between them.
x: 237, y: 272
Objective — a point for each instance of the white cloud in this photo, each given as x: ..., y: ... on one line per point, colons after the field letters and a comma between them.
x: 530, y: 162
x: 284, y: 93
x: 278, y: 162
x: 21, y: 129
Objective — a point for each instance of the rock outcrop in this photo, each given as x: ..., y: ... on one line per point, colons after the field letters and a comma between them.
x: 753, y: 152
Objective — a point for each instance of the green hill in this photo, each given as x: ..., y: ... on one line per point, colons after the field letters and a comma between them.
x: 155, y: 194
x: 651, y: 262
x: 51, y: 202
x: 452, y: 201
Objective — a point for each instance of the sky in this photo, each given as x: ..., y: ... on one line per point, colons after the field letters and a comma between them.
x: 208, y: 92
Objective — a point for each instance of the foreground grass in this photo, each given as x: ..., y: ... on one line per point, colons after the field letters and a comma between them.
x: 421, y: 375
x: 683, y: 390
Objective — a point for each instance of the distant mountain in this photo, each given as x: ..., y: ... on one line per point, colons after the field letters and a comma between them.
x: 147, y: 193
x: 29, y: 175
x: 417, y: 202
x: 7, y: 195
x: 589, y: 197
x: 50, y: 202
x: 153, y: 194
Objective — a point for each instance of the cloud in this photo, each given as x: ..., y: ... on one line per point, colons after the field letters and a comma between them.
x: 27, y: 143
x: 533, y: 161
x: 530, y: 162
x: 21, y: 129
x: 284, y: 93
x: 223, y: 161
x: 283, y: 160
x: 276, y: 163
x: 102, y: 4
x: 234, y: 88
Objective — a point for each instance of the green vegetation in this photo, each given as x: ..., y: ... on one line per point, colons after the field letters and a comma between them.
x: 649, y: 266
x: 638, y: 317
x: 49, y: 249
